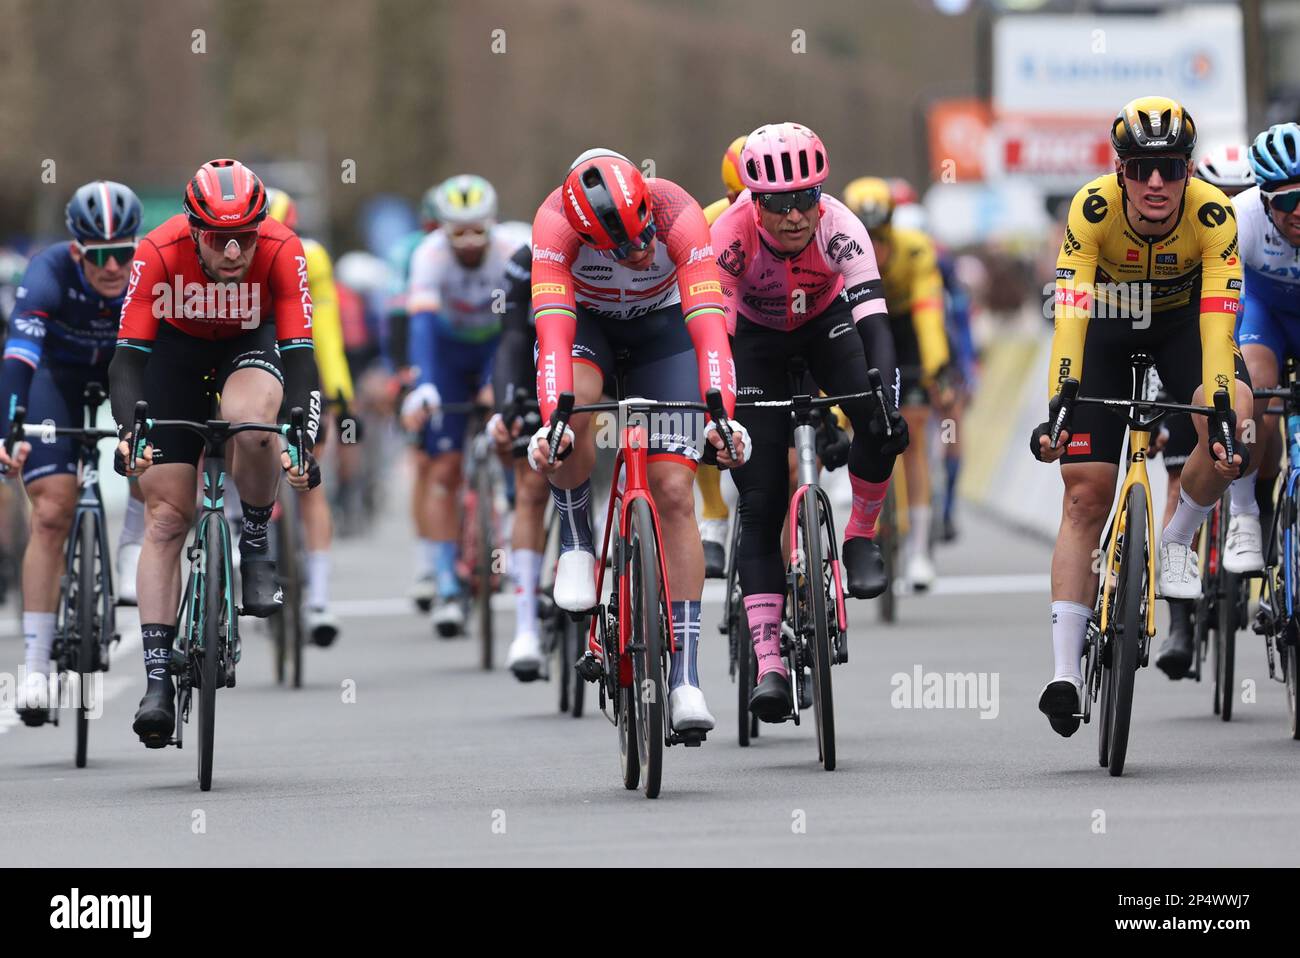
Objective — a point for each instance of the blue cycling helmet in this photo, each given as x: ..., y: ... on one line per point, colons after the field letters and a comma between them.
x: 1275, y: 156
x: 103, y: 211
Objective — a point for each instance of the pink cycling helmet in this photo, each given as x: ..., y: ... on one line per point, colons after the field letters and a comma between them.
x: 782, y: 157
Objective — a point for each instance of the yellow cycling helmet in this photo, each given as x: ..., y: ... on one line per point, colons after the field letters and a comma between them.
x: 1153, y: 124
x: 281, y: 207
x: 871, y: 199
x: 731, y: 166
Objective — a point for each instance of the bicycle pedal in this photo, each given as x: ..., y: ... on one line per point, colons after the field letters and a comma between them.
x: 588, y: 667
x: 691, y: 737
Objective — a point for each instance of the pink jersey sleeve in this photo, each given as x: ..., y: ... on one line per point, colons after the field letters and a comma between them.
x: 848, y: 250
x: 555, y: 245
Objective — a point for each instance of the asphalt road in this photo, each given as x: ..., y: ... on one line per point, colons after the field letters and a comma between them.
x: 435, y: 762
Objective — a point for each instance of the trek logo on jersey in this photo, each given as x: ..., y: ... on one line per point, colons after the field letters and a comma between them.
x: 699, y: 254
x: 304, y: 290
x: 622, y: 184
x: 551, y: 255
x: 708, y: 286
x: 573, y: 201
x: 1166, y: 259
x: 549, y: 388
x: 553, y: 289
x: 1080, y: 445
x: 715, y: 368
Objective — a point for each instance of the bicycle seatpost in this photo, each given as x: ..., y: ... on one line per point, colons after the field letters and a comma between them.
x: 559, y: 419
x: 713, y: 399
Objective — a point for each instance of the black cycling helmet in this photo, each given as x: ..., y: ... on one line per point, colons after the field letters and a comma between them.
x: 103, y: 211
x: 1153, y: 124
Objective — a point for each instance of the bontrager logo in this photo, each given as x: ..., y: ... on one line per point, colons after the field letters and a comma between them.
x: 98, y: 912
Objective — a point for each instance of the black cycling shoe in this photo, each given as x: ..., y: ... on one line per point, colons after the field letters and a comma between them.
x: 771, y: 700
x: 156, y: 718
x: 1175, y: 658
x: 1060, y: 703
x: 262, y: 594
x: 715, y: 560
x: 866, y: 568
x: 34, y: 717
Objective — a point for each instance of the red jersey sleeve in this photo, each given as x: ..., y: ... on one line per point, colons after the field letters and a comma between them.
x: 555, y: 245
x: 291, y: 294
x: 138, y: 321
x: 684, y: 230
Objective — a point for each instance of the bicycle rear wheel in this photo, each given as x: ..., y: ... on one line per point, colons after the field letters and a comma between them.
x: 648, y: 619
x: 813, y: 524
x: 87, y: 549
x: 215, y: 621
x: 1128, y: 624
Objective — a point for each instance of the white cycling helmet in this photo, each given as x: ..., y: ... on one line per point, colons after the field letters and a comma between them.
x: 1227, y: 167
x: 465, y: 200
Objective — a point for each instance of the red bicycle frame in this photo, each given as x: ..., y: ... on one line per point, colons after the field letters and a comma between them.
x: 632, y: 463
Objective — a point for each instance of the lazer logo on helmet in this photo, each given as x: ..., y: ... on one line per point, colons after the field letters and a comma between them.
x: 622, y: 183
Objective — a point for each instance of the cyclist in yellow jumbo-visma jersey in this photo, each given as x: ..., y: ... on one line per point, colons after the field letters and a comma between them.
x: 909, y: 271
x: 336, y: 381
x: 713, y: 516
x: 1149, y: 263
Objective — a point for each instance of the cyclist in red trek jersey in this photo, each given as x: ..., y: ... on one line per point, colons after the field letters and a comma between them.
x: 623, y: 265
x: 217, y: 289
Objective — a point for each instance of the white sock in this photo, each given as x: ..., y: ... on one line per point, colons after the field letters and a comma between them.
x: 426, y: 558
x: 1187, y: 519
x: 318, y: 580
x: 1242, y: 494
x: 525, y: 566
x: 38, y: 637
x: 919, y: 532
x: 1069, y: 629
x: 133, y: 523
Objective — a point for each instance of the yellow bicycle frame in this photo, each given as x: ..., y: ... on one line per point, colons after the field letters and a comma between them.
x: 1138, y: 442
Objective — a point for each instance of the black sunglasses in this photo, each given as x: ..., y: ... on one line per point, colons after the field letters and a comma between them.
x: 120, y: 253
x: 801, y: 200
x: 1283, y: 202
x: 1169, y: 167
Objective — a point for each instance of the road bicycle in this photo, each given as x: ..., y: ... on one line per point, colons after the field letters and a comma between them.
x: 85, y: 624
x: 1123, y: 624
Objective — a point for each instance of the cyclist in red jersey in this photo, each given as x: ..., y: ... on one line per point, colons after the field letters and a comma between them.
x: 622, y: 267
x: 218, y: 289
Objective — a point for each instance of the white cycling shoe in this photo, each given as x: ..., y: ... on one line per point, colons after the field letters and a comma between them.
x: 688, y: 709
x: 128, y: 560
x: 1180, y: 575
x: 575, y: 581
x: 920, y: 572
x: 524, y: 657
x: 1243, y: 551
x: 448, y: 619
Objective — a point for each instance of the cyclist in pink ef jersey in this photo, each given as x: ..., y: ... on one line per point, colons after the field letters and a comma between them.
x: 799, y: 278
x: 624, y: 279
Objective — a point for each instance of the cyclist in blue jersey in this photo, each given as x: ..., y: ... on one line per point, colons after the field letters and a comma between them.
x: 61, y: 337
x: 456, y: 298
x: 1268, y: 230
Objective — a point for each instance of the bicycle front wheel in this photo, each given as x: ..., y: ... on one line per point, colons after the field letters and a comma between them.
x: 87, y: 548
x: 1128, y: 623
x: 813, y: 524
x: 485, y: 533
x: 649, y: 617
x: 215, y: 620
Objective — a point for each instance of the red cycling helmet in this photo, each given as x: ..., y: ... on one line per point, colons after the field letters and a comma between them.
x: 225, y: 195
x: 608, y: 204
